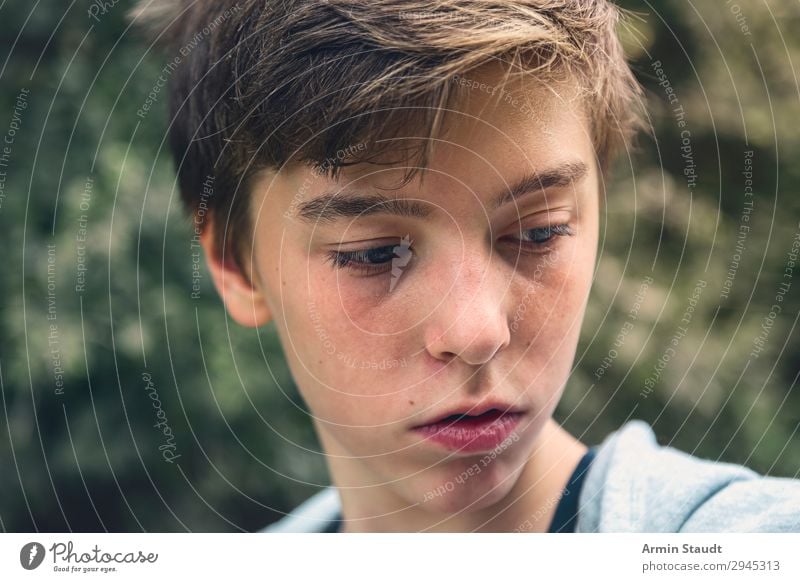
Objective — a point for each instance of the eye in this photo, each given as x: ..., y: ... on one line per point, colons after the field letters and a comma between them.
x: 541, y: 237
x: 373, y: 261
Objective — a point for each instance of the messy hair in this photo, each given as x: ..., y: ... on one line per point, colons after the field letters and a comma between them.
x: 258, y: 84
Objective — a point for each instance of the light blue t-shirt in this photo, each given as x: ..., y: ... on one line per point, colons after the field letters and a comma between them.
x: 636, y: 485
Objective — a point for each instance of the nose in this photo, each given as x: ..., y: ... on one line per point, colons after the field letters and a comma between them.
x: 468, y: 321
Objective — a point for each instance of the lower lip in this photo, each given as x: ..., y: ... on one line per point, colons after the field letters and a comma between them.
x: 472, y: 434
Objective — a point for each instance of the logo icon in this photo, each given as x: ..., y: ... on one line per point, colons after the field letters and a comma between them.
x: 402, y: 254
x: 31, y: 555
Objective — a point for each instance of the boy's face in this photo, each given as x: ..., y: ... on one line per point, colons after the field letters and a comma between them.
x: 464, y: 304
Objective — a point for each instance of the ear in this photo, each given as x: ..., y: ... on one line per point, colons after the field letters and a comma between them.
x: 244, y: 302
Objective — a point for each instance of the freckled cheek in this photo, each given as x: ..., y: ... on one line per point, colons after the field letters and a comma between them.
x: 335, y: 342
x: 352, y: 398
x: 546, y: 310
x: 369, y: 311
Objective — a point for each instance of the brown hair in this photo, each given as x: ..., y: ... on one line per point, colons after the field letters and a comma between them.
x: 261, y: 83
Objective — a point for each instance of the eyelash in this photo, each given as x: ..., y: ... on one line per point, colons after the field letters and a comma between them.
x: 359, y: 260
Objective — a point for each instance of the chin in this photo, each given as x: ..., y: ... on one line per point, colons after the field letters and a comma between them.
x: 448, y: 495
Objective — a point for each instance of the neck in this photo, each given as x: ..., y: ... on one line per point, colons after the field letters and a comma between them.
x: 529, y: 505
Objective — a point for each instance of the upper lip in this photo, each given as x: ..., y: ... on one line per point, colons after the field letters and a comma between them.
x: 474, y: 410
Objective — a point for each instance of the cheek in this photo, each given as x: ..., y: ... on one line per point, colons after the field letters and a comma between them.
x: 548, y: 306
x: 370, y: 310
x: 368, y: 326
x: 346, y: 372
x: 368, y: 330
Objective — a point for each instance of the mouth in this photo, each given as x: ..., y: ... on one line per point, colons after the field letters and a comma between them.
x: 472, y: 433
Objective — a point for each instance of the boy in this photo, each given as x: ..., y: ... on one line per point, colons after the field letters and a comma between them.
x: 411, y: 192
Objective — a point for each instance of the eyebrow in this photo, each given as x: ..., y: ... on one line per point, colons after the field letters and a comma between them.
x: 333, y: 206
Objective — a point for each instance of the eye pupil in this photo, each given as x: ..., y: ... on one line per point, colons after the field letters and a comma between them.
x: 378, y: 255
x: 541, y: 234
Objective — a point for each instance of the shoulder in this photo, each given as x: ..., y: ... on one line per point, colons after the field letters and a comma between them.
x: 637, y: 485
x: 313, y: 515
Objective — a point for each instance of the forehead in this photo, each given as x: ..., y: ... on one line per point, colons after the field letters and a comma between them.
x: 496, y: 131
x: 517, y: 106
x: 494, y: 122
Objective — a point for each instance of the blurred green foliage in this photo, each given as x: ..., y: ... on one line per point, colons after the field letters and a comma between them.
x: 87, y: 457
